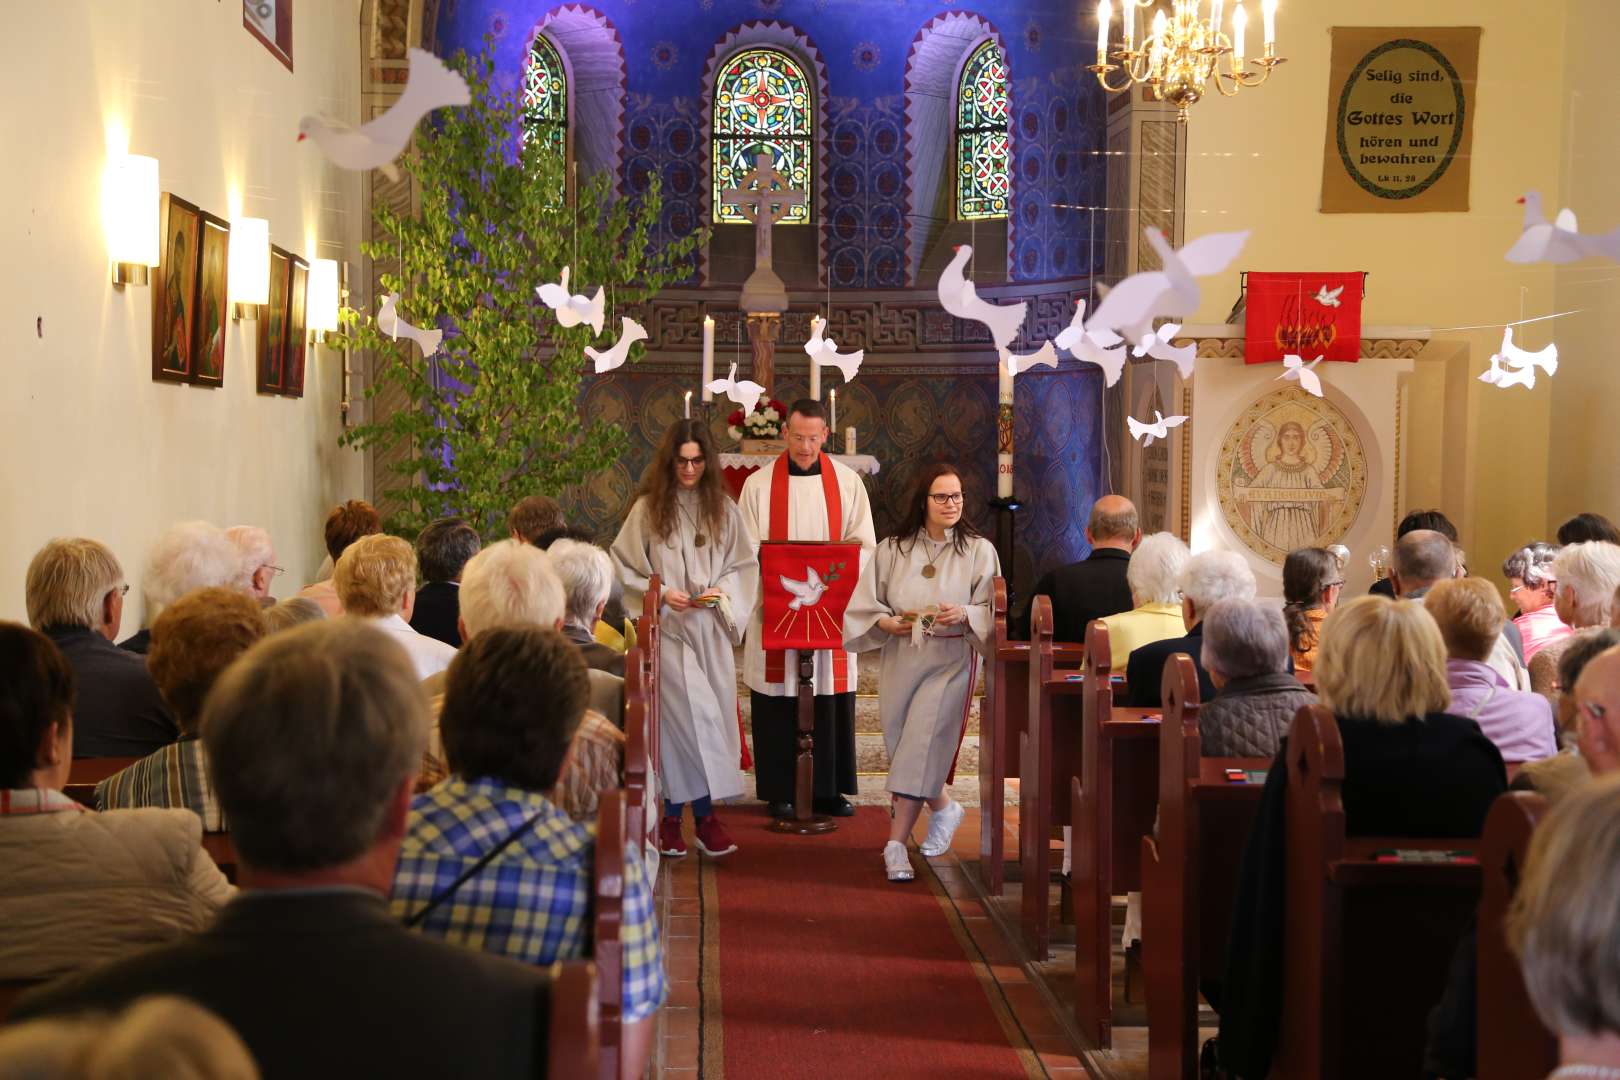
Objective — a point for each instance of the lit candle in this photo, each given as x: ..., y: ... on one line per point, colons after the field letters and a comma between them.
x: 1268, y: 9
x: 1127, y: 22
x: 815, y: 379
x: 1004, y: 434
x: 1215, y: 15
x: 833, y: 393
x: 708, y: 356
x: 1157, y: 54
x: 1240, y: 22
x: 689, y: 404
x: 1105, y: 13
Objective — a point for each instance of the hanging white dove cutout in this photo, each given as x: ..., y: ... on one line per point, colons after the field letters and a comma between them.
x: 375, y: 144
x: 1328, y: 297
x: 630, y: 332
x: 1513, y: 366
x: 1131, y: 306
x: 1560, y: 240
x: 389, y: 322
x: 1502, y: 378
x: 1157, y: 345
x: 1159, y: 429
x: 823, y: 351
x: 572, y: 308
x: 1296, y: 369
x: 1102, y: 347
x: 1016, y: 364
x: 958, y: 296
x: 744, y: 393
x: 805, y: 593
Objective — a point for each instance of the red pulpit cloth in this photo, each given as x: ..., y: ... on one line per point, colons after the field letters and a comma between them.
x: 806, y: 586
x: 1306, y: 314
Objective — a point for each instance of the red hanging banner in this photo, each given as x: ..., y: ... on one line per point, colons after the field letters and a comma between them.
x: 806, y: 588
x: 1307, y: 314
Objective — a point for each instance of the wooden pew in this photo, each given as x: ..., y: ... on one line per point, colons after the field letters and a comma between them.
x: 1367, y: 944
x: 1512, y: 1042
x: 85, y: 773
x: 647, y: 635
x: 1189, y: 873
x: 572, y: 1032
x: 1047, y: 757
x: 638, y: 814
x: 607, y: 949
x: 1114, y: 797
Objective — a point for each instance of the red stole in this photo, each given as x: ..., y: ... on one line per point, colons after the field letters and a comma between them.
x: 776, y: 662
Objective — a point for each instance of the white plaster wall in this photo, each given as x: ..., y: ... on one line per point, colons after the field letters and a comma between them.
x: 89, y: 444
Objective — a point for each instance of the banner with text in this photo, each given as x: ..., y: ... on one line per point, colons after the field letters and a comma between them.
x: 1400, y: 119
x: 1307, y: 314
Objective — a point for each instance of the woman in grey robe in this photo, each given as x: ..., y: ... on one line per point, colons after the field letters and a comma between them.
x: 925, y: 601
x: 684, y: 529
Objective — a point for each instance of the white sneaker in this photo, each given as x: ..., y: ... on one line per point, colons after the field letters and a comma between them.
x: 941, y: 828
x: 897, y: 861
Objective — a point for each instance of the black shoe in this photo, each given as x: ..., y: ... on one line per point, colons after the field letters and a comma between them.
x: 779, y: 809
x: 839, y: 807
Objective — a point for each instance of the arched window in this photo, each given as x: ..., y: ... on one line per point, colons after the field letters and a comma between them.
x: 983, y: 143
x: 762, y: 102
x: 545, y: 103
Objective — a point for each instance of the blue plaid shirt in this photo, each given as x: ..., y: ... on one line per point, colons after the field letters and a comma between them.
x: 532, y: 902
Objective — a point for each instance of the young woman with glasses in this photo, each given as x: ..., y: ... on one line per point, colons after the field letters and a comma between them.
x: 1312, y: 582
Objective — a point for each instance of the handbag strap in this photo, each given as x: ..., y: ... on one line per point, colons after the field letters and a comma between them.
x: 472, y: 871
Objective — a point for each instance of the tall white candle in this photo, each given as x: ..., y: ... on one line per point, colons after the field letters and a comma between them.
x: 1004, y: 435
x: 1268, y: 10
x: 833, y: 393
x: 689, y: 404
x: 815, y: 379
x: 1105, y: 14
x: 1240, y: 24
x: 708, y: 356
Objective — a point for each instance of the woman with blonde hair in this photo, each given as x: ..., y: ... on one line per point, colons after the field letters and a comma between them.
x: 1410, y: 769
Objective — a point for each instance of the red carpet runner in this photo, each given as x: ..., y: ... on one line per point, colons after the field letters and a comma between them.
x: 825, y: 969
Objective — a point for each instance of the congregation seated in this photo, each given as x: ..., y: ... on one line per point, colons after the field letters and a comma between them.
x: 189, y: 556
x: 376, y: 581
x: 1410, y: 769
x: 1584, y: 528
x: 313, y: 738
x: 1432, y: 520
x: 80, y: 887
x: 1154, y: 578
x: 1469, y: 613
x: 258, y: 562
x: 344, y: 525
x: 1532, y: 587
x: 1096, y: 586
x: 587, y: 576
x: 531, y: 900
x: 1556, y: 776
x: 614, y: 628
x: 532, y: 517
x: 1586, y: 576
x: 75, y: 596
x: 1245, y: 651
x: 442, y: 551
x: 1208, y: 578
x: 291, y: 612
x: 1424, y: 557
x: 1312, y: 581
x: 159, y: 1036
x: 193, y: 642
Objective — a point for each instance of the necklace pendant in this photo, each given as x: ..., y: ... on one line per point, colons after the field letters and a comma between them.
x: 701, y: 540
x: 928, y: 571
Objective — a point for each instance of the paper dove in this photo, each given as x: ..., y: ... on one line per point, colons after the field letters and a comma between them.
x: 1102, y: 348
x: 824, y: 351
x: 389, y: 322
x: 630, y: 332
x: 572, y: 308
x: 1045, y: 356
x: 1159, y: 429
x: 1131, y: 306
x: 958, y: 296
x: 1295, y: 368
x: 805, y: 593
x: 1519, y: 359
x: 1558, y: 241
x: 745, y: 393
x: 1156, y: 343
x: 375, y: 144
x: 1328, y: 297
x: 1502, y: 378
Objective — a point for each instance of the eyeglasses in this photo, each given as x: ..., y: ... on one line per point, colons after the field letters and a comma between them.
x: 948, y: 498
x: 689, y: 463
x: 123, y: 590
x: 1335, y: 584
x: 275, y: 571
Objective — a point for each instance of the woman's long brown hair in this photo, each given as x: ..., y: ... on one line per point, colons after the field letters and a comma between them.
x: 916, y: 518
x: 658, y: 483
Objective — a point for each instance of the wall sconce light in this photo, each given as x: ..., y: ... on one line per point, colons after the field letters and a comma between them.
x: 129, y: 214
x: 321, y: 304
x: 249, y: 270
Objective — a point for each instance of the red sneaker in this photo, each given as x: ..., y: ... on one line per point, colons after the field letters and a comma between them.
x: 712, y: 838
x: 669, y: 837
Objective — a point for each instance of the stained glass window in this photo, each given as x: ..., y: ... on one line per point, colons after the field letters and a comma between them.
x: 983, y: 141
x: 545, y: 103
x: 762, y: 103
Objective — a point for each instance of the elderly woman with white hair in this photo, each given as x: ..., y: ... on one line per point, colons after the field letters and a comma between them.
x: 1154, y: 575
x: 1585, y: 576
x: 1208, y: 578
x: 1532, y: 588
x: 1246, y: 654
x: 375, y: 579
x: 586, y: 572
x: 258, y: 570
x: 189, y: 556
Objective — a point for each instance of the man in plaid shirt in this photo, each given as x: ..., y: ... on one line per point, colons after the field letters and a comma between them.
x: 513, y: 700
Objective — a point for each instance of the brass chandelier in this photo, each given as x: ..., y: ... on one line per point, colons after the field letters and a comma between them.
x: 1184, y: 50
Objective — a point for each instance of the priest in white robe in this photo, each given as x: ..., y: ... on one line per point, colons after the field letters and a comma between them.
x: 774, y: 683
x: 683, y: 528
x: 926, y: 603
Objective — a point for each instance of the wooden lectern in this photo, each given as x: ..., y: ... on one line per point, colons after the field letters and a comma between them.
x: 803, y: 822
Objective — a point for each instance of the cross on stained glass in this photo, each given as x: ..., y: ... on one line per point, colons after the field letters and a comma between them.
x: 764, y: 198
x: 762, y: 104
